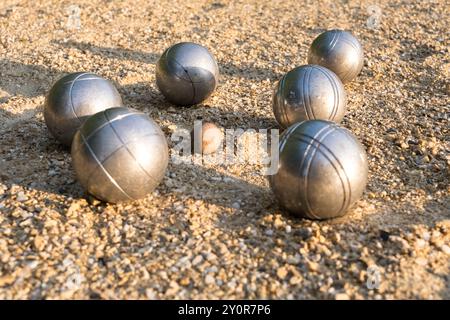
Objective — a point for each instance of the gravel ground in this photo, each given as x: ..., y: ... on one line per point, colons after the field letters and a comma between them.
x: 212, y: 231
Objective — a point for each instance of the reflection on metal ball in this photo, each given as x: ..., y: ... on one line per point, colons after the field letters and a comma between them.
x: 119, y: 155
x: 73, y: 99
x: 307, y: 93
x: 322, y: 170
x: 186, y: 73
x: 338, y: 51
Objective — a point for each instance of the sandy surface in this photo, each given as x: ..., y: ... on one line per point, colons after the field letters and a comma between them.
x: 213, y: 231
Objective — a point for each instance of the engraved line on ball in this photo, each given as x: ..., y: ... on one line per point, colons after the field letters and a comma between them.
x: 334, y: 41
x: 84, y: 79
x: 307, y: 159
x: 118, y: 117
x: 337, y: 165
x: 286, y: 135
x: 339, y: 168
x: 117, y: 150
x: 305, y: 155
x: 70, y: 94
x: 306, y: 92
x: 317, y: 143
x: 351, y: 43
x: 303, y: 90
x: 335, y: 91
x: 190, y: 79
x: 353, y: 70
x: 113, y: 181
x: 128, y: 149
x: 345, y: 199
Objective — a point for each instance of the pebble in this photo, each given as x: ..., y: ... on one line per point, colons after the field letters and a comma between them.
x: 294, y: 259
x: 282, y: 273
x: 341, y: 296
x: 198, y: 259
x: 209, y: 279
x: 39, y: 243
x: 150, y: 294
x: 313, y: 266
x: 185, y: 281
x: 236, y: 205
x: 446, y: 249
x: 21, y: 197
x: 421, y: 261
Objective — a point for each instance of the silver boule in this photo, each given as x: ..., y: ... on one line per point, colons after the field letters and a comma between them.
x: 187, y: 73
x: 74, y: 98
x: 338, y: 51
x: 322, y: 170
x: 119, y: 154
x: 306, y: 93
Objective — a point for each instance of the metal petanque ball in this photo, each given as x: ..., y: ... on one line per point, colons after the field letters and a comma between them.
x: 338, y: 51
x: 306, y: 93
x: 322, y: 170
x: 186, y: 73
x: 119, y: 155
x: 73, y: 99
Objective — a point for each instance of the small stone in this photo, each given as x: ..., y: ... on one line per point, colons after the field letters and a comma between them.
x: 384, y: 235
x: 33, y: 264
x: 426, y: 236
x: 21, y: 197
x: 282, y: 273
x: 198, y: 259
x: 184, y: 262
x: 150, y: 293
x: 313, y: 266
x: 420, y: 244
x: 294, y: 259
x: 39, y: 243
x: 185, y: 281
x: 6, y: 280
x: 421, y: 261
x: 288, y: 229
x: 223, y: 250
x: 269, y: 232
x: 295, y: 280
x: 173, y: 288
x: 236, y: 205
x: 93, y: 201
x: 209, y: 279
x: 278, y: 223
x: 341, y: 296
x: 304, y: 233
x: 446, y: 249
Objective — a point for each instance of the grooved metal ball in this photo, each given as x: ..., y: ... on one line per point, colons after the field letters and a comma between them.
x: 306, y: 93
x: 338, y: 51
x: 186, y: 73
x: 73, y: 99
x: 322, y: 170
x: 119, y: 155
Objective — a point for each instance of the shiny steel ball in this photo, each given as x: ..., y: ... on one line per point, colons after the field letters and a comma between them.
x: 338, y: 51
x: 306, y: 93
x: 73, y: 99
x: 119, y: 155
x: 186, y: 73
x: 322, y: 170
